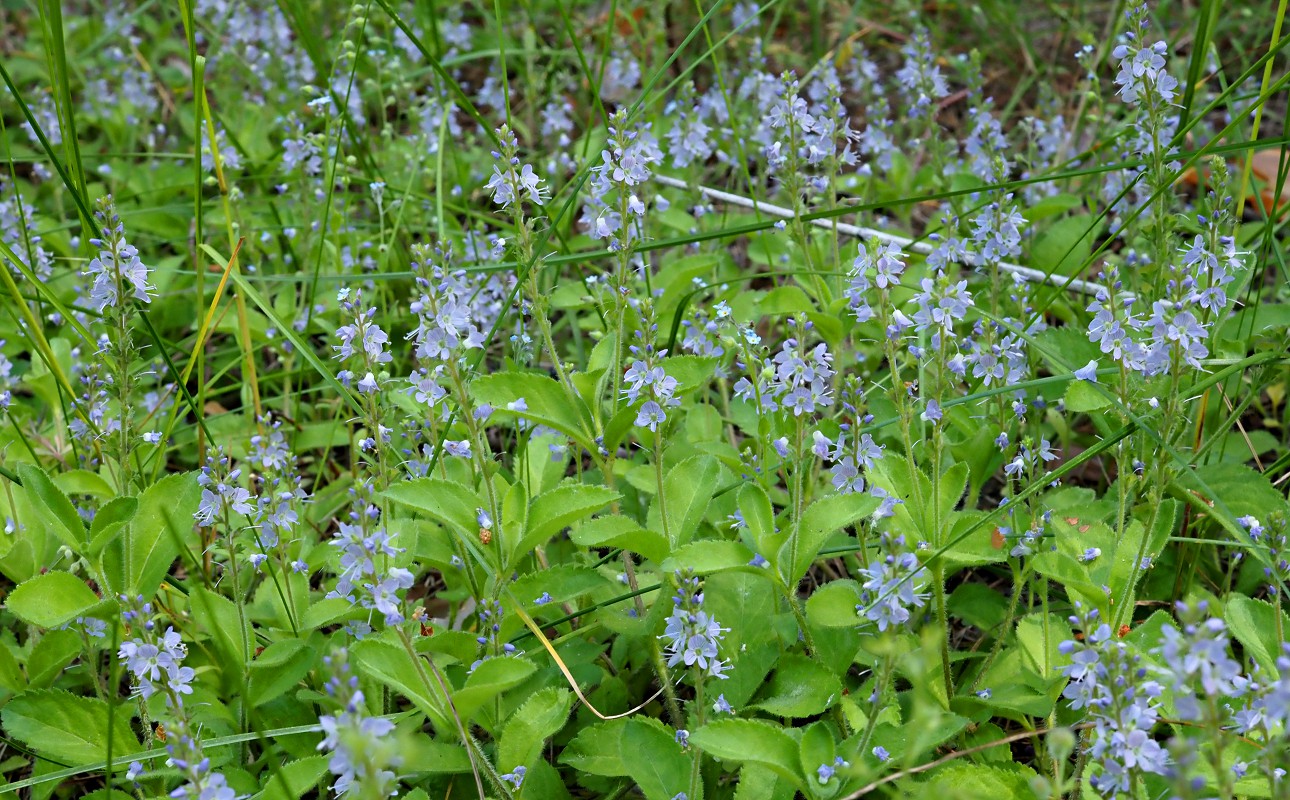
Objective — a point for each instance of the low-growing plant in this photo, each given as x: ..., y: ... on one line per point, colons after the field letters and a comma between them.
x: 547, y: 401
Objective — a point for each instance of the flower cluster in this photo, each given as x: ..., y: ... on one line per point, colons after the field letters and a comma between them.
x: 648, y: 379
x: 19, y: 231
x: 1275, y: 536
x: 894, y: 585
x: 692, y: 635
x: 155, y: 662
x: 920, y: 78
x: 118, y: 272
x: 614, y: 206
x: 796, y: 378
x: 366, y: 576
x: 1198, y: 663
x: 1177, y: 329
x: 360, y: 745
x: 280, y: 497
x: 361, y: 341
x: 879, y: 264
x: 1142, y: 71
x: 221, y: 494
x: 1109, y: 680
x: 511, y: 180
x: 850, y: 455
x: 491, y: 645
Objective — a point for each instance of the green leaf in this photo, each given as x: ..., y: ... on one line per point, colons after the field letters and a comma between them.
x: 974, y: 549
x: 452, y: 505
x: 544, y: 782
x: 515, y: 517
x: 1254, y: 624
x: 540, y: 718
x: 833, y: 605
x: 279, y: 667
x: 54, y: 506
x: 156, y: 536
x: 657, y: 764
x: 67, y: 728
x: 294, y: 778
x: 745, y: 601
x: 818, y: 747
x: 446, y: 501
x: 1064, y: 247
x: 613, y: 530
x: 759, y: 782
x: 688, y: 489
x: 708, y: 556
x: 12, y: 680
x: 1243, y: 490
x: 751, y: 742
x: 390, y: 664
x: 82, y: 481
x: 961, y: 779
x: 895, y: 474
x: 759, y: 515
x: 546, y: 401
x: 785, y: 300
x: 54, y: 651
x: 436, y: 757
x: 690, y: 372
x: 559, y: 508
x: 109, y: 521
x: 800, y: 687
x: 596, y: 750
x: 52, y: 599
x: 564, y: 583
x: 1082, y: 397
x: 490, y: 679
x: 1043, y: 659
x: 916, y: 737
x: 820, y: 521
x: 978, y: 605
x: 325, y: 612
x: 218, y: 616
x: 1051, y: 206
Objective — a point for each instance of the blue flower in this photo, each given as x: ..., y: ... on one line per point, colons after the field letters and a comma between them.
x: 359, y: 744
x: 515, y: 777
x: 460, y: 449
x: 1108, y: 680
x: 507, y: 183
x: 693, y: 636
x: 1142, y: 73
x: 894, y: 586
x: 650, y: 415
x: 117, y: 267
x: 826, y: 771
x: 1088, y: 372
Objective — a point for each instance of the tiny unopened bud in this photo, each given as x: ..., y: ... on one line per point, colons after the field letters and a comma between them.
x: 1061, y: 743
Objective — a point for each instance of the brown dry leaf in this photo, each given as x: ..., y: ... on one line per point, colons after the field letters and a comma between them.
x: 1264, y: 167
x: 1263, y: 192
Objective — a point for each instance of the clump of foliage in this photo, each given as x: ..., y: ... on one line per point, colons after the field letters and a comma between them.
x: 741, y: 402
